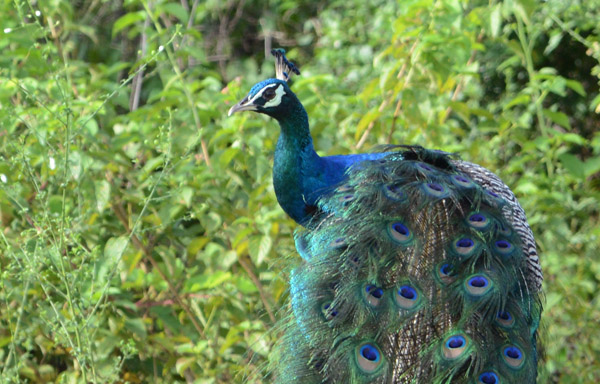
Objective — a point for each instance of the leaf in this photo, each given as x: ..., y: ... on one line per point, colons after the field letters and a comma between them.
x: 55, y: 205
x: 576, y: 86
x: 595, y: 104
x: 196, y: 245
x: 127, y: 20
x: 165, y: 314
x: 573, y: 165
x: 185, y: 196
x: 176, y: 10
x: 115, y: 246
x: 206, y: 281
x: 259, y: 248
x: 263, y: 250
x: 591, y: 166
x: 521, y: 99
x: 365, y: 121
x: 245, y: 285
x: 496, y: 20
x: 151, y: 165
x: 75, y: 165
x: 102, y: 191
x: 137, y: 327
x: 183, y: 363
x: 558, y: 118
x: 227, y: 156
x: 553, y: 42
x: 571, y: 138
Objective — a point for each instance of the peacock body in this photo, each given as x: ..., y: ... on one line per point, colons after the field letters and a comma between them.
x: 418, y: 267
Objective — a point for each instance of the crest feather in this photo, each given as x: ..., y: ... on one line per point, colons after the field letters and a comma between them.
x: 283, y: 67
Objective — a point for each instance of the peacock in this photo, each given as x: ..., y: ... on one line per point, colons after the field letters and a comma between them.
x: 417, y: 266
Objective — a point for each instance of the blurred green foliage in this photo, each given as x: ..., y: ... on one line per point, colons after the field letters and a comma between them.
x: 140, y: 238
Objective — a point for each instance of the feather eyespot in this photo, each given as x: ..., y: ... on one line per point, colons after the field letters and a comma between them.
x: 504, y: 247
x: 503, y: 229
x: 445, y: 269
x: 340, y: 242
x: 373, y: 294
x: 368, y: 357
x: 505, y: 319
x: 513, y: 356
x: 399, y: 233
x: 346, y: 199
x: 355, y: 260
x: 435, y: 190
x: 425, y: 167
x: 407, y: 297
x: 462, y: 181
x: 496, y: 198
x: 455, y: 346
x: 478, y: 221
x: 488, y: 378
x: 464, y: 246
x: 478, y: 285
x: 345, y: 188
x: 445, y: 273
x: 394, y: 192
x: 328, y: 311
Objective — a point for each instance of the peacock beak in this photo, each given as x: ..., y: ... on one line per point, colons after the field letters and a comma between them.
x: 243, y: 105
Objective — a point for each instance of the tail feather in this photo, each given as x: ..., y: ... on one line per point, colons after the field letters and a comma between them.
x: 412, y: 273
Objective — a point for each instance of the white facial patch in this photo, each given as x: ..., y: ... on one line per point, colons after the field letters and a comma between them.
x: 279, y: 92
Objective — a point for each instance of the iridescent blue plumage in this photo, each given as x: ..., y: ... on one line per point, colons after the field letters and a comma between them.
x: 417, y: 267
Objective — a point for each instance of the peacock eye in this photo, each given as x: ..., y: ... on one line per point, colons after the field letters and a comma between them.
x: 269, y: 94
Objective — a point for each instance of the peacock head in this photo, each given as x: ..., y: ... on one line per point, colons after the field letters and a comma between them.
x: 272, y: 97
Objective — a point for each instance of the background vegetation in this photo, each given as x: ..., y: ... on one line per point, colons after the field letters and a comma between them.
x: 140, y: 238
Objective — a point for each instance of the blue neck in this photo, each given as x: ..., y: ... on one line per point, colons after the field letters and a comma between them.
x: 300, y: 176
x: 296, y: 166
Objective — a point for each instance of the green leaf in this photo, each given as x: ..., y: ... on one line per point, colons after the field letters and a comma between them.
x: 365, y: 121
x: 263, y: 250
x: 571, y: 138
x: 520, y: 99
x: 115, y: 246
x: 127, y: 20
x: 576, y: 86
x: 137, y: 327
x: 102, y: 190
x: 496, y: 20
x: 553, y: 42
x: 176, y: 10
x: 591, y: 166
x: 595, y: 104
x: 183, y: 363
x: 227, y: 156
x: 206, y: 281
x: 259, y: 247
x: 165, y: 314
x: 55, y: 204
x: 75, y: 165
x: 573, y: 165
x: 245, y: 285
x: 558, y: 118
